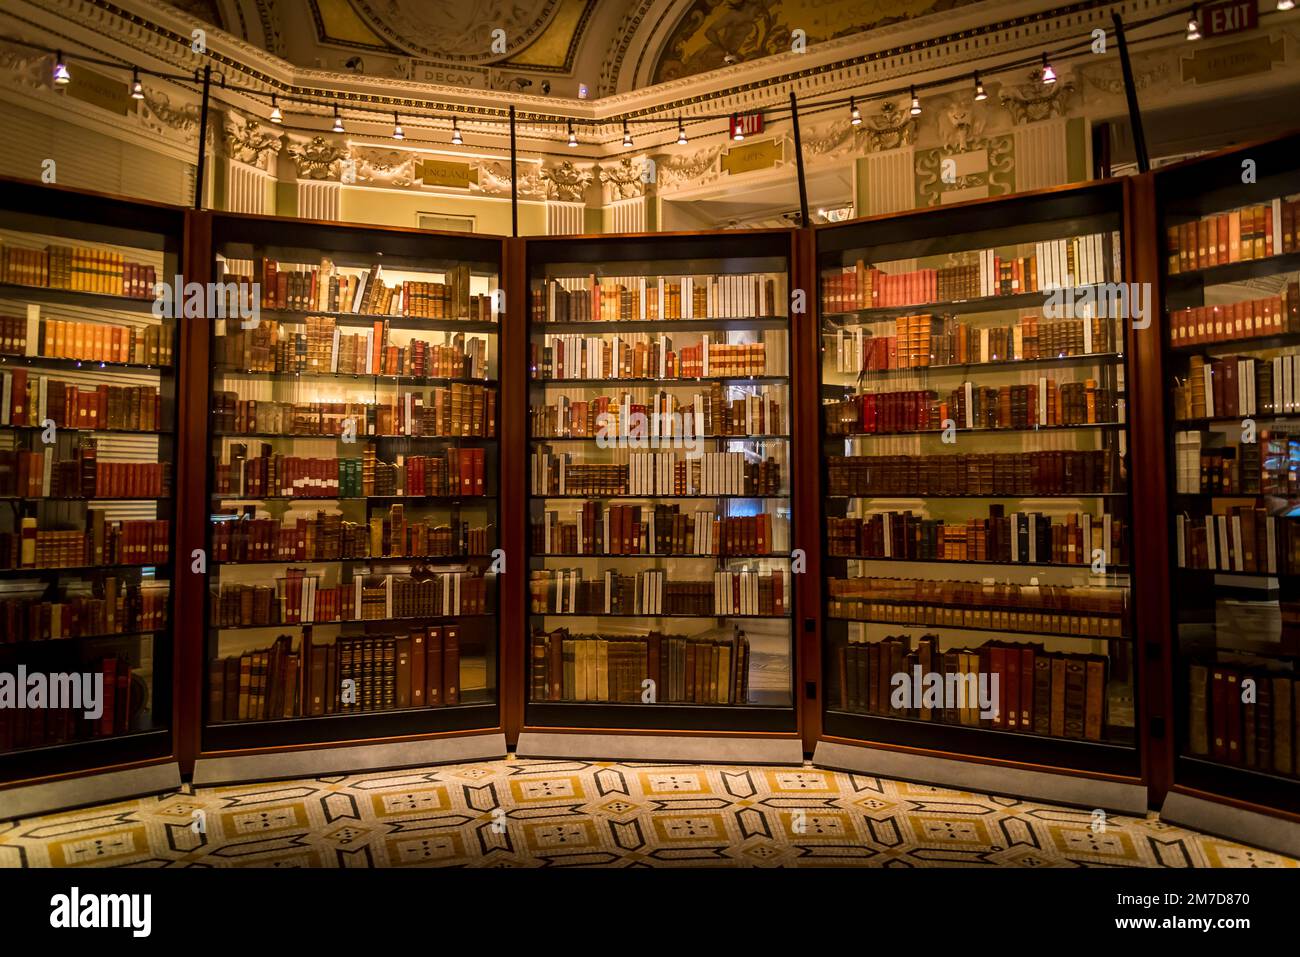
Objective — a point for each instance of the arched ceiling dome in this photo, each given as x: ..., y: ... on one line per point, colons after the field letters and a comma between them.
x: 609, y: 46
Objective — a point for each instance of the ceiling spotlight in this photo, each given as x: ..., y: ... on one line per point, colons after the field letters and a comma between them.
x: 1193, y: 26
x: 681, y: 133
x: 573, y: 137
x: 627, y: 137
x: 1049, y: 75
x: 397, y: 129
x: 979, y: 88
x: 61, y: 75
x: 737, y: 130
x: 916, y: 103
x: 276, y: 116
x: 1285, y: 5
x: 137, y: 90
x: 855, y: 115
x: 455, y: 132
x: 338, y: 121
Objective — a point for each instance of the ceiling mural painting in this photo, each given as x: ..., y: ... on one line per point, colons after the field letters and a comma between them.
x: 456, y: 31
x: 337, y: 22
x: 716, y: 33
x: 549, y: 39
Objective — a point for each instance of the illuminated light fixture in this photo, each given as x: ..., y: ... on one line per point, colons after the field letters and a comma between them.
x: 137, y: 89
x: 681, y: 133
x: 61, y: 75
x: 397, y: 129
x: 1194, y: 26
x: 1049, y: 75
x: 855, y: 115
x: 338, y: 121
x: 1285, y: 5
x: 916, y: 103
x: 627, y: 136
x: 979, y: 88
x: 573, y: 137
x: 455, y: 132
x: 737, y: 130
x: 276, y: 116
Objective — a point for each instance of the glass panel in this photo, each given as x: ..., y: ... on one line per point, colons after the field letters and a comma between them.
x: 354, y: 481
x: 659, y: 417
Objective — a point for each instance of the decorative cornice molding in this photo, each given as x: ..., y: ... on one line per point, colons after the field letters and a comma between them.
x: 684, y: 169
x: 318, y: 158
x: 249, y: 142
x: 566, y: 182
x: 376, y: 166
x: 159, y: 113
x: 891, y: 128
x: 1032, y: 101
x: 623, y: 179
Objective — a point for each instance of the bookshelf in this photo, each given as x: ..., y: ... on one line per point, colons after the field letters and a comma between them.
x: 87, y: 445
x: 1230, y: 257
x: 976, y: 502
x: 659, y: 593
x: 353, y: 484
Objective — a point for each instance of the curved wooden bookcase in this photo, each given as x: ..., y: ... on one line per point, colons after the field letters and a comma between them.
x: 978, y: 510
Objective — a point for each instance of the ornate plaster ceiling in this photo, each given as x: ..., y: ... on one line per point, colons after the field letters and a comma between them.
x: 608, y: 45
x: 711, y: 34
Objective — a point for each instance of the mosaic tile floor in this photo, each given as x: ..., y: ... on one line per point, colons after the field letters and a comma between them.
x: 519, y: 813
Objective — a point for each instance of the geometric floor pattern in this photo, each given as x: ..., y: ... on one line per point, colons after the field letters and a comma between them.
x: 528, y: 813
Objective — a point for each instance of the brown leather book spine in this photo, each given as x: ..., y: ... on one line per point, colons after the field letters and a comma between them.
x: 402, y: 678
x: 451, y: 664
x: 1058, y: 697
x: 434, y: 665
x: 1219, y: 714
x: 419, y: 679
x: 1198, y: 739
x: 1283, y: 727
x: 1094, y: 714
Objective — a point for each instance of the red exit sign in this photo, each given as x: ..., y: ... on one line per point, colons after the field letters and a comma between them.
x: 1233, y: 16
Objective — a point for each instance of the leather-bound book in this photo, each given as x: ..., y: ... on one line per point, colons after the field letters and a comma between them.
x: 999, y: 667
x: 1283, y: 728
x: 434, y: 667
x: 1028, y: 664
x: 230, y: 698
x: 216, y: 689
x: 1219, y: 714
x: 1197, y: 716
x: 874, y: 671
x: 419, y: 680
x: 952, y: 665
x: 1264, y: 724
x: 557, y: 665
x: 1249, y: 729
x: 1076, y: 689
x: 451, y: 664
x: 245, y: 684
x: 402, y: 675
x: 897, y: 655
x: 1058, y: 696
x: 848, y: 695
x: 1094, y: 715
